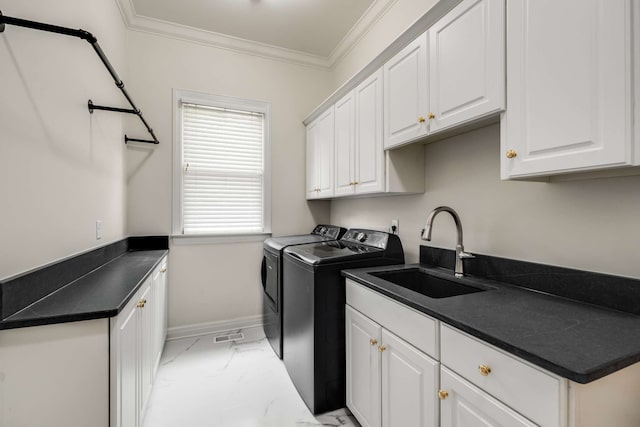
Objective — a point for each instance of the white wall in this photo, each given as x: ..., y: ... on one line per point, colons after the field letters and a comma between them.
x: 585, y: 224
x: 218, y: 282
x: 61, y: 169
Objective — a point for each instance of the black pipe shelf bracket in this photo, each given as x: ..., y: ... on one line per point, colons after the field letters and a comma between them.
x: 90, y: 38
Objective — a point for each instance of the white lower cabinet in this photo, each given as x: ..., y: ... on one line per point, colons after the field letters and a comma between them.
x: 389, y: 381
x: 137, y: 338
x: 159, y: 312
x: 94, y: 373
x: 409, y: 380
x: 363, y: 368
x: 464, y: 405
x: 407, y: 369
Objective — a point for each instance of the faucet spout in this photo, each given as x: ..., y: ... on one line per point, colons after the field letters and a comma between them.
x: 460, y: 253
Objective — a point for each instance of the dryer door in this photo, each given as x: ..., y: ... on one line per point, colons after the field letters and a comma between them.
x: 270, y: 279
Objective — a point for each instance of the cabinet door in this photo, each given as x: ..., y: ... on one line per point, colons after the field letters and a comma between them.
x: 466, y: 63
x: 363, y: 368
x: 406, y: 94
x: 146, y: 340
x: 127, y: 361
x: 159, y: 312
x: 369, y: 151
x: 464, y: 405
x: 569, y: 91
x: 345, y: 118
x: 324, y: 152
x: 312, y: 161
x: 409, y: 385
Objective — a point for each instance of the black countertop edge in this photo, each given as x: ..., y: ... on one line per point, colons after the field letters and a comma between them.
x: 16, y: 324
x: 605, y: 290
x: 602, y: 367
x: 22, y: 290
x: 70, y: 303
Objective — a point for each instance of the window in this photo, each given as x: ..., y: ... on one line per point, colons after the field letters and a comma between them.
x: 221, y: 166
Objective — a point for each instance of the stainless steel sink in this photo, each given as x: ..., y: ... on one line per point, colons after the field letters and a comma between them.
x: 426, y: 284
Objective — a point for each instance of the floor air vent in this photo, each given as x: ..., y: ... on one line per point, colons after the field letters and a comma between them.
x: 231, y: 337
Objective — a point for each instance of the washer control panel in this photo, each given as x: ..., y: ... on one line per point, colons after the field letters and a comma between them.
x: 374, y: 238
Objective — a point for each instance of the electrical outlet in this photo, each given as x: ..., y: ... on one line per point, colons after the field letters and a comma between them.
x: 395, y: 226
x: 98, y: 229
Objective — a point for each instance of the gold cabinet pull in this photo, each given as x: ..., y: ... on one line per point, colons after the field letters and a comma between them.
x: 382, y: 348
x: 421, y: 119
x: 141, y: 303
x: 511, y: 154
x: 355, y: 182
x: 164, y: 270
x: 373, y: 341
x: 443, y: 394
x: 484, y: 370
x: 432, y: 116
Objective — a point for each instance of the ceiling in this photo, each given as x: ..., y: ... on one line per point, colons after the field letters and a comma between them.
x: 313, y: 31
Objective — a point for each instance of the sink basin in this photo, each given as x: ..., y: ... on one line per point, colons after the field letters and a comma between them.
x: 426, y: 284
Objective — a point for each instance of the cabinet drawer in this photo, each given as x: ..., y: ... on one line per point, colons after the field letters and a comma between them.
x: 412, y: 326
x: 537, y: 395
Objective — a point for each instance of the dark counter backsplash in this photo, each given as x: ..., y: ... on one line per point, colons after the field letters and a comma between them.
x: 615, y: 292
x: 24, y: 289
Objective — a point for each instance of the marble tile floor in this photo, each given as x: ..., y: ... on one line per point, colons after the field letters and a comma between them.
x: 231, y: 384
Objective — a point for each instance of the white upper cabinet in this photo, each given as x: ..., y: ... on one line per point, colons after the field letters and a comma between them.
x: 569, y: 87
x: 466, y: 64
x: 359, y: 155
x: 320, y: 146
x: 345, y: 138
x: 369, y: 163
x: 406, y: 94
x: 360, y: 160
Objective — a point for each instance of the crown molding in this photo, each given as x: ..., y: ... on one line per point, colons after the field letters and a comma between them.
x: 136, y: 22
x: 375, y: 12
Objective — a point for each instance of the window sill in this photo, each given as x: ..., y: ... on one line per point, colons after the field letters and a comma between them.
x: 209, y: 239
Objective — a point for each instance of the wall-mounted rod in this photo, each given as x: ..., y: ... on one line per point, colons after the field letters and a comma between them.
x: 148, y: 141
x: 91, y: 106
x: 85, y: 35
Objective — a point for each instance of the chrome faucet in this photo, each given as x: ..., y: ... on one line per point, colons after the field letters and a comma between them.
x: 460, y: 253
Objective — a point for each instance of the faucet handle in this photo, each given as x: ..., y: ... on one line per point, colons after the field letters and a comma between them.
x: 465, y: 255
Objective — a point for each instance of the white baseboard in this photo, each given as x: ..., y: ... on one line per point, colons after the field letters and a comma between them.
x: 187, y: 331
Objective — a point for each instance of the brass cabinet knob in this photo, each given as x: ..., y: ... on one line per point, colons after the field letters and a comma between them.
x: 382, y: 348
x: 511, y: 154
x: 421, y: 119
x: 443, y: 394
x: 373, y: 341
x: 164, y: 270
x: 141, y: 303
x: 355, y: 182
x: 432, y: 116
x: 484, y: 370
x: 352, y: 183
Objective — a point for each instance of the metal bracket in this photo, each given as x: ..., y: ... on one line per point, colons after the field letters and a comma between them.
x: 146, y: 141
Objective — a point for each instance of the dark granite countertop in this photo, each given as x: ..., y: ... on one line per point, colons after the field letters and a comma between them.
x: 576, y: 340
x: 113, y: 277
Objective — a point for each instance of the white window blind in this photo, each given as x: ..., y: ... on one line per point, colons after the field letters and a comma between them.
x: 223, y: 170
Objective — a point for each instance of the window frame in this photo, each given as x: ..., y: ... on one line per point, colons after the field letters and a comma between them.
x: 219, y: 101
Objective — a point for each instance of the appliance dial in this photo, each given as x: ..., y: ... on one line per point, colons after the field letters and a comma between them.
x: 361, y: 237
